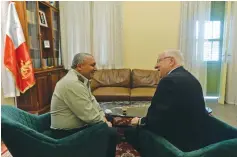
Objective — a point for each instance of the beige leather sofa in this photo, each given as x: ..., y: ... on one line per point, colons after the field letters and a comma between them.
x: 124, y: 84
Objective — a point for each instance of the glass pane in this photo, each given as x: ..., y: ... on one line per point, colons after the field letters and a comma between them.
x: 215, y: 51
x: 56, y: 37
x: 216, y: 29
x: 207, y: 51
x: 33, y: 40
x: 212, y: 30
x: 208, y: 30
x: 211, y: 51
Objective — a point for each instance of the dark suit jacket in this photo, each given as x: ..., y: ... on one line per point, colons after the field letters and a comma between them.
x: 177, y: 110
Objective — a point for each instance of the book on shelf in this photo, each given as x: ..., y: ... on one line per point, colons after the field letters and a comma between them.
x: 30, y: 17
x: 36, y: 62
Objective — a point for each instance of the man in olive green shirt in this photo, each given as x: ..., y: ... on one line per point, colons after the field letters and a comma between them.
x: 73, y: 106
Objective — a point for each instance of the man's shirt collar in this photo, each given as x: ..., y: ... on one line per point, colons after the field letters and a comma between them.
x: 82, y: 78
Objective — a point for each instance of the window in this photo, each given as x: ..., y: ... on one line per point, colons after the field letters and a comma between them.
x: 212, y: 36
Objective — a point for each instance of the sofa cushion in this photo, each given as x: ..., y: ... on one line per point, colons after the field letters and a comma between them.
x: 112, y: 94
x: 144, y: 78
x: 111, y: 78
x: 142, y: 94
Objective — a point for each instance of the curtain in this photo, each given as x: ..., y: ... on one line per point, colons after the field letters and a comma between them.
x: 75, y: 23
x: 107, y: 34
x: 7, y: 81
x: 194, y: 16
x: 231, y: 86
x: 92, y: 27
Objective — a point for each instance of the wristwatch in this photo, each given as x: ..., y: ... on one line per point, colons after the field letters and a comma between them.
x: 141, y: 122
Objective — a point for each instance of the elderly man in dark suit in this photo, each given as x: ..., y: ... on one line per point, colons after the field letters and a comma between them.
x: 177, y: 110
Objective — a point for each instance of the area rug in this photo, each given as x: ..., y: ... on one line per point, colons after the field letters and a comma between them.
x: 126, y: 150
x: 6, y: 154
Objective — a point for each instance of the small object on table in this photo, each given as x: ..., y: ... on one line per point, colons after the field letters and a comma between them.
x: 124, y: 109
x: 108, y: 111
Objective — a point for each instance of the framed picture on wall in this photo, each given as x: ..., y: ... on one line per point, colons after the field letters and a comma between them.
x: 42, y: 19
x: 46, y: 44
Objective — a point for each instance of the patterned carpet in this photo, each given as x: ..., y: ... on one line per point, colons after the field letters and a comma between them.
x: 126, y: 150
x: 6, y: 154
x: 123, y: 149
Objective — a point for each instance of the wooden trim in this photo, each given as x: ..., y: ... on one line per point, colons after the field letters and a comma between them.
x: 55, y: 9
x: 52, y: 35
x: 47, y: 4
x: 49, y: 70
x: 39, y: 34
x: 41, y: 111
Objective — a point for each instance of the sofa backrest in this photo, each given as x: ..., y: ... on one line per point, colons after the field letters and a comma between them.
x: 111, y: 78
x: 144, y: 78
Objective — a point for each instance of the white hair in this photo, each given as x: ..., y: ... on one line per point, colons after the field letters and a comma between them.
x: 178, y: 56
x: 79, y: 59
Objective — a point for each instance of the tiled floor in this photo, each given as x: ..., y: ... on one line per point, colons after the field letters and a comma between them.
x: 226, y: 113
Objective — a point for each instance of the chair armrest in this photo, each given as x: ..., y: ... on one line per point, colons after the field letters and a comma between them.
x: 44, y: 121
x: 224, y: 148
x: 158, y: 146
x: 95, y: 141
x: 83, y: 135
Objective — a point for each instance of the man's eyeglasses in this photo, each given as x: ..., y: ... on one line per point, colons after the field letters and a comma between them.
x: 161, y: 59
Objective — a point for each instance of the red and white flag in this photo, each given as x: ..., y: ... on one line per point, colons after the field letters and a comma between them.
x: 7, y: 81
x: 16, y: 55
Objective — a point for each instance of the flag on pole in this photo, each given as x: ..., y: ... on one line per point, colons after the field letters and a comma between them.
x: 7, y: 82
x: 16, y: 55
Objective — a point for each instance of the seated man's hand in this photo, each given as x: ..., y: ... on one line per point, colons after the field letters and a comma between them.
x: 135, y: 121
x: 109, y: 124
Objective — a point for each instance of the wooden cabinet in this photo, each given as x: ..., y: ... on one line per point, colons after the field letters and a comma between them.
x: 41, y: 27
x: 37, y: 99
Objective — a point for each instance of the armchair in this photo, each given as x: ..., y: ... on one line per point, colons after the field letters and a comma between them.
x: 26, y: 135
x: 220, y: 141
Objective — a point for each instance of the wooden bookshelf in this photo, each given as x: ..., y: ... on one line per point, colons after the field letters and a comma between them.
x: 41, y: 27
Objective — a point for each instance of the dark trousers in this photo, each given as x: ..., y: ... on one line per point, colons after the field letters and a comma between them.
x: 57, y: 134
x: 132, y: 137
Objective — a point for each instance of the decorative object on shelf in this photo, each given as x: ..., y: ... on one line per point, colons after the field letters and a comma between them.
x: 30, y: 17
x: 44, y: 63
x: 42, y: 19
x: 46, y: 44
x: 52, y: 3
